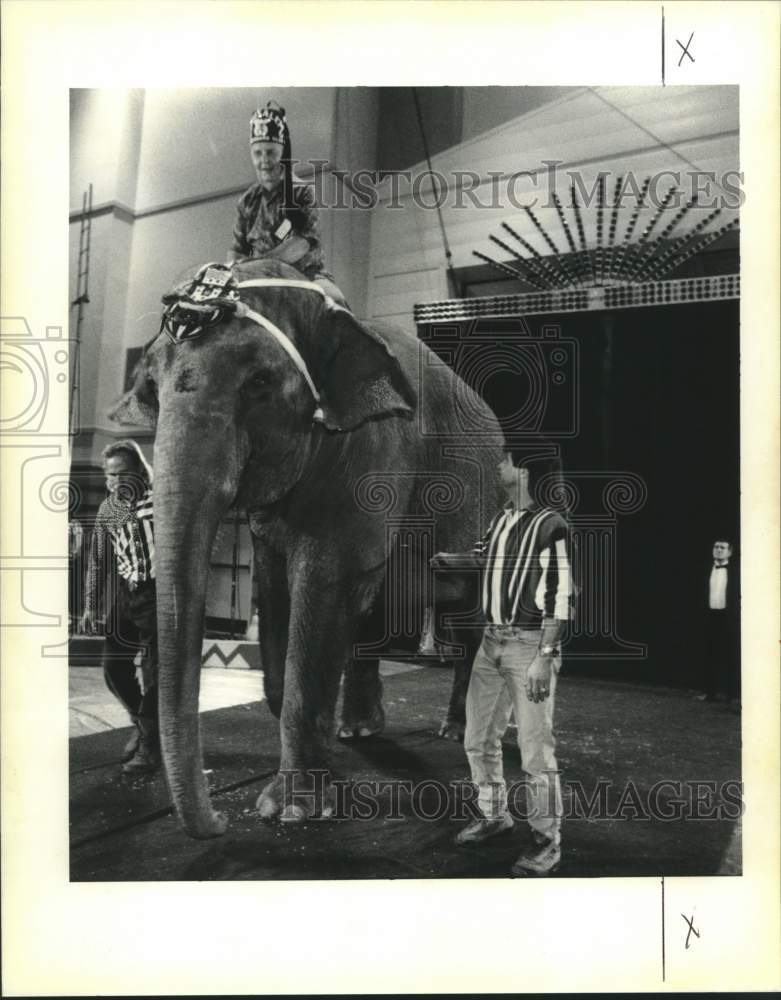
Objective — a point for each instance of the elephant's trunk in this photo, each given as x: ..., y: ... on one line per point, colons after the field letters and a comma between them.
x: 191, y: 497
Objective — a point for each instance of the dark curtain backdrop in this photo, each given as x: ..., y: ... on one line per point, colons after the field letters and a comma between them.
x: 659, y: 398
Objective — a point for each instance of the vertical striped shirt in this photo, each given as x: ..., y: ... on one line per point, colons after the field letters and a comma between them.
x: 527, y: 575
x: 130, y: 529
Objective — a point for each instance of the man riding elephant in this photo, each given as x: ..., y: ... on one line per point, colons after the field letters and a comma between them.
x: 277, y: 218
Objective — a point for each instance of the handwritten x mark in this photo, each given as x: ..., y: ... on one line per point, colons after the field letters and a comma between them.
x: 692, y: 928
x: 686, y: 49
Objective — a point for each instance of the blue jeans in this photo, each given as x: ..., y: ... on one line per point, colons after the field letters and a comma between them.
x: 497, y: 688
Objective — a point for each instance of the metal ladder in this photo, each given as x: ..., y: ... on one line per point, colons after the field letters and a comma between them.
x: 82, y: 294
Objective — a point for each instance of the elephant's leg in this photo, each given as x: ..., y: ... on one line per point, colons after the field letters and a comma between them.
x: 362, y: 711
x: 466, y: 635
x: 453, y: 725
x: 319, y: 644
x: 274, y: 615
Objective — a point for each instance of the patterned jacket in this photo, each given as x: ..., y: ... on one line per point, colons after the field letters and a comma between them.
x: 259, y: 214
x: 129, y: 527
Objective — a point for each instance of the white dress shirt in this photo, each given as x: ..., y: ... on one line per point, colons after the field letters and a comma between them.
x: 717, y: 600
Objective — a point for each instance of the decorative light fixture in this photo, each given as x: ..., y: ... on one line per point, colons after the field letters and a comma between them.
x: 607, y: 261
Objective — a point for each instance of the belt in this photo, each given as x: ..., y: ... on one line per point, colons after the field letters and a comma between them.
x: 513, y: 628
x: 134, y: 585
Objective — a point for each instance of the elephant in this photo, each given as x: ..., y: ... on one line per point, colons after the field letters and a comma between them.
x: 329, y: 432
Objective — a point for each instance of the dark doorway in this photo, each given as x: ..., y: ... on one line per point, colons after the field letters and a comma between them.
x: 652, y: 393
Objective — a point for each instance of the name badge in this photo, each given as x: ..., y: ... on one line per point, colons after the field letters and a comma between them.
x: 283, y: 230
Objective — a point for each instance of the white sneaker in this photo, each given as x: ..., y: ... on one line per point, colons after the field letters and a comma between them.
x: 483, y: 829
x: 541, y: 858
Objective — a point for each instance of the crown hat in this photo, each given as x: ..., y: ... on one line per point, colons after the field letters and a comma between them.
x: 269, y: 124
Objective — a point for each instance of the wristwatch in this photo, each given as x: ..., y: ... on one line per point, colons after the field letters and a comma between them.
x: 549, y: 650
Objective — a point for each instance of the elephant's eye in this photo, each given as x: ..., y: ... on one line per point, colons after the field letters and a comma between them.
x: 147, y: 391
x: 257, y: 383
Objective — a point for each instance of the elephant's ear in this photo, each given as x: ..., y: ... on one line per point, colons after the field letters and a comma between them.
x: 360, y: 377
x: 138, y: 406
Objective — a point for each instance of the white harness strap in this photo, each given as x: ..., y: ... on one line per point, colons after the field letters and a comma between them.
x: 244, y: 311
x: 282, y: 338
x: 311, y: 286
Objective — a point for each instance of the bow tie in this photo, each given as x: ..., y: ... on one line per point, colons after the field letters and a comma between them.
x: 722, y: 566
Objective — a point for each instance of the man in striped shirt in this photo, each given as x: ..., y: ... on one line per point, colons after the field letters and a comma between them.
x: 121, y: 590
x: 526, y: 601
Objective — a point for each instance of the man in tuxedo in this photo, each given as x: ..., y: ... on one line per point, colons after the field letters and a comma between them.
x: 721, y: 649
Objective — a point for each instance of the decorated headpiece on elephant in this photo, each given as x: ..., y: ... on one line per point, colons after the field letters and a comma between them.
x: 266, y: 395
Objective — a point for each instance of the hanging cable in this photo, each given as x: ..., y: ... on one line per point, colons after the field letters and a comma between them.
x: 452, y: 281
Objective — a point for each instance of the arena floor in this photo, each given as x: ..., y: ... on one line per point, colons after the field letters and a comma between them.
x: 627, y: 736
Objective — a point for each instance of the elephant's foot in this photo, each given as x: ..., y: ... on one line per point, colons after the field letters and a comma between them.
x: 455, y: 721
x: 205, y: 827
x: 295, y: 796
x: 352, y: 728
x: 362, y: 711
x: 452, y: 729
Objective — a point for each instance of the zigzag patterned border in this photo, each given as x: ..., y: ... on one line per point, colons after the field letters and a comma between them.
x: 234, y: 653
